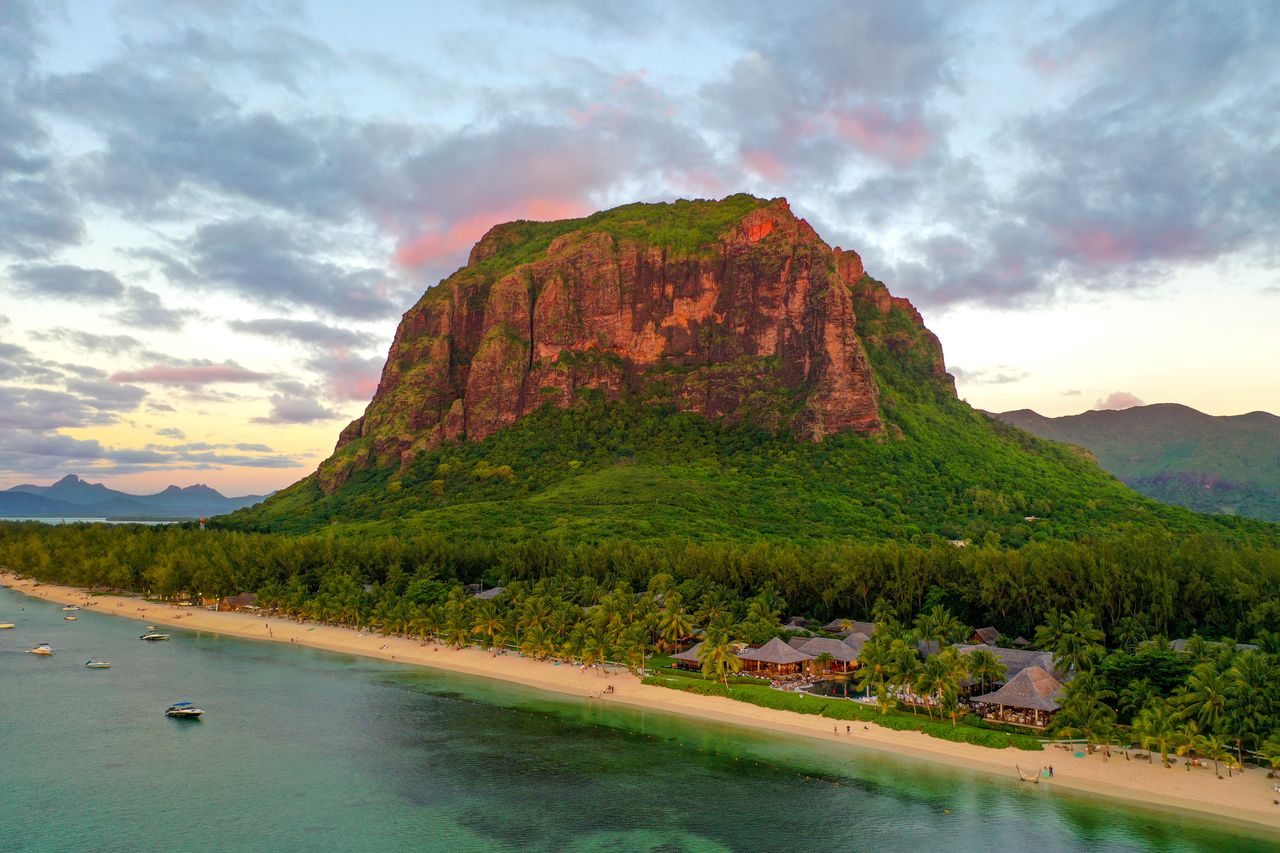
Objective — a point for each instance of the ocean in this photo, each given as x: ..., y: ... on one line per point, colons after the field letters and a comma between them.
x: 301, y: 749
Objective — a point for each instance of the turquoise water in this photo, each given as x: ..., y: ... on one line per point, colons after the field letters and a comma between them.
x: 307, y: 750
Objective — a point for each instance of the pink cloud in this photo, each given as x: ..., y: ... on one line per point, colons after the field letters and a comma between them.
x: 460, y: 234
x: 208, y: 374
x: 1118, y: 400
x: 765, y: 164
x: 899, y: 141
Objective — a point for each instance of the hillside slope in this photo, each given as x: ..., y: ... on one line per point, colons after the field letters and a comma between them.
x: 1178, y: 455
x: 705, y: 370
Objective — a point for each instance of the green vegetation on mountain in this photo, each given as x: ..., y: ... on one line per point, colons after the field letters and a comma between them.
x: 1178, y: 455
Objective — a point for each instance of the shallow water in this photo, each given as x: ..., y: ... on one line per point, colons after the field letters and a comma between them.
x: 308, y: 750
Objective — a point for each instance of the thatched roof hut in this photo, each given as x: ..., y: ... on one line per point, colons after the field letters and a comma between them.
x: 824, y: 645
x: 1032, y: 689
x: 988, y: 635
x: 486, y: 594
x: 856, y: 641
x: 775, y: 653
x: 1014, y: 660
x: 846, y: 627
x: 688, y: 659
x: 240, y: 601
x: 798, y: 642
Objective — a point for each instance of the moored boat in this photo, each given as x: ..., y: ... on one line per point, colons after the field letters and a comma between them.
x: 70, y: 608
x: 4, y: 625
x: 183, y: 711
x: 69, y: 618
x: 97, y: 664
x: 154, y: 636
x: 42, y: 649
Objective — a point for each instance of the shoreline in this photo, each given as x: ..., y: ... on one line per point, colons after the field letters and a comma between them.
x: 1245, y: 801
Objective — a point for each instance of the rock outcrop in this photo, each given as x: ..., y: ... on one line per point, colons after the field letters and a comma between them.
x: 752, y: 320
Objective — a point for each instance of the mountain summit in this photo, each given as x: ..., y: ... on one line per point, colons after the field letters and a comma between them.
x: 734, y: 310
x: 699, y: 370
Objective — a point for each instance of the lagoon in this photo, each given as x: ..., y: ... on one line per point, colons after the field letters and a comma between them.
x: 302, y: 749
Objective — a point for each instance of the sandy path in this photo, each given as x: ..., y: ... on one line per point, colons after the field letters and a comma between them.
x: 1246, y: 798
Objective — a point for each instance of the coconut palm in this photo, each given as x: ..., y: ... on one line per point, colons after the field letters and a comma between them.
x: 674, y: 624
x: 1250, y: 706
x: 1270, y: 751
x: 985, y: 666
x: 1134, y: 696
x: 1205, y: 697
x: 937, y: 623
x: 938, y: 676
x: 717, y: 657
x: 1157, y: 726
x: 486, y: 622
x: 875, y: 669
x: 1213, y: 747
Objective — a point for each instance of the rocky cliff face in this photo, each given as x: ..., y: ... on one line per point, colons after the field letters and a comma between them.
x: 735, y: 310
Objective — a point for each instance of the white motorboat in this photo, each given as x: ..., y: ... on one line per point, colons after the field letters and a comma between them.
x: 70, y: 608
x: 97, y: 664
x: 4, y: 625
x: 154, y: 636
x: 183, y: 711
x: 42, y: 649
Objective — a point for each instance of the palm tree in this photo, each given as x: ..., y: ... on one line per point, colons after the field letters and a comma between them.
x: 487, y: 622
x: 717, y: 657
x: 1214, y: 747
x: 1128, y: 632
x: 1270, y: 751
x: 634, y: 646
x: 938, y: 676
x: 1250, y: 706
x: 985, y: 666
x: 875, y: 670
x: 674, y: 624
x: 1134, y: 697
x: 1205, y: 697
x: 1157, y: 725
x: 1074, y: 640
x: 937, y: 623
x: 903, y: 666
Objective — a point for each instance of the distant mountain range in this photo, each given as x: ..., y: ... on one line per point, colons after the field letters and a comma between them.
x: 1178, y: 455
x: 72, y: 497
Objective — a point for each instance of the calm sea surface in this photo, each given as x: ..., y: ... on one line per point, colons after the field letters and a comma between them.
x: 308, y: 750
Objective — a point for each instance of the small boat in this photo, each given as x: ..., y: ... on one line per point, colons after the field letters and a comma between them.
x: 42, y: 649
x: 151, y: 627
x: 70, y: 608
x: 69, y: 618
x: 183, y: 711
x: 154, y: 636
x: 97, y: 664
x: 4, y: 625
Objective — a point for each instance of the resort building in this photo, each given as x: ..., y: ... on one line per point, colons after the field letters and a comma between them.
x: 845, y: 627
x: 242, y: 601
x: 985, y: 636
x: 774, y: 658
x: 688, y: 659
x: 843, y: 658
x: 1014, y: 660
x: 1030, y: 698
x: 856, y: 641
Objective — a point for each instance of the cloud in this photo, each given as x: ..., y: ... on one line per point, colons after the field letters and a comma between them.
x: 347, y: 375
x: 143, y: 309
x: 64, y: 281
x: 90, y: 341
x: 1001, y: 375
x: 1074, y: 392
x: 194, y: 375
x: 45, y: 409
x: 1118, y: 400
x: 275, y: 265
x: 296, y: 410
x: 171, y: 432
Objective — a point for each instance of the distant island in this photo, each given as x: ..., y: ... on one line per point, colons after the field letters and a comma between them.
x: 1175, y: 454
x: 73, y: 497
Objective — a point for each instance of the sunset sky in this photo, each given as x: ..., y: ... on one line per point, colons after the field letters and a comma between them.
x: 212, y: 214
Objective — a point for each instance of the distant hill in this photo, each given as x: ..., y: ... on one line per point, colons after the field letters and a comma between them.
x: 1178, y: 455
x: 72, y: 497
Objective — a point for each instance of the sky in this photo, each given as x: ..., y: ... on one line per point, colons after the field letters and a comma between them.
x: 213, y: 213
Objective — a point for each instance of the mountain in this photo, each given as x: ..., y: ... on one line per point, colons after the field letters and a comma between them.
x: 1178, y: 455
x: 72, y: 497
x: 706, y: 370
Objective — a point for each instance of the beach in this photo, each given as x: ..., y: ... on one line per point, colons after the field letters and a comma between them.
x: 1247, y: 798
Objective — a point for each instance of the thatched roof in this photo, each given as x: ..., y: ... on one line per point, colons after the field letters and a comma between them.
x: 1031, y: 688
x: 1014, y: 660
x: 798, y: 642
x: 796, y: 622
x: 775, y: 652
x: 846, y: 627
x: 987, y: 635
x: 489, y: 593
x: 824, y: 645
x: 690, y: 654
x: 856, y: 641
x: 244, y: 599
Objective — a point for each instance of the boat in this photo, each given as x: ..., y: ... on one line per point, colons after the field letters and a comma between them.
x: 97, y: 664
x: 151, y: 627
x: 69, y: 618
x: 70, y: 608
x: 4, y: 625
x: 183, y: 711
x: 42, y: 649
x: 154, y: 636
